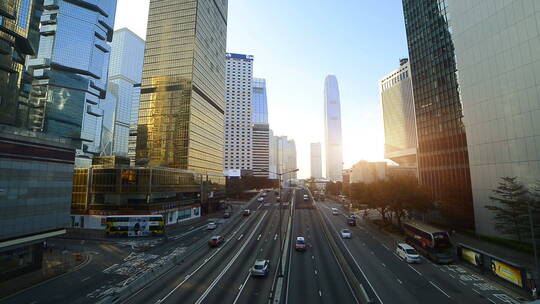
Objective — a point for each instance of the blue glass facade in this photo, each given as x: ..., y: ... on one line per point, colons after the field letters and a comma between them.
x: 125, y: 71
x: 70, y: 71
x: 260, y: 106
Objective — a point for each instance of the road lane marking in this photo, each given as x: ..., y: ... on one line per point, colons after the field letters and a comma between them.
x: 475, y: 290
x: 491, y: 300
x: 312, y: 257
x: 241, y: 236
x: 275, y: 237
x: 383, y: 264
x: 222, y: 273
x: 259, y: 237
x: 452, y: 276
x: 397, y: 256
x: 399, y: 281
x: 85, y: 279
x: 320, y: 293
x: 385, y: 247
x: 315, y: 271
x: 462, y: 282
x: 355, y: 262
x: 439, y: 289
x: 414, y: 269
x: 200, y: 266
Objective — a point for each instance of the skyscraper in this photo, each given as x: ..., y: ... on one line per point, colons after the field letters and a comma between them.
x: 285, y: 156
x: 272, y: 156
x: 19, y: 29
x: 398, y: 115
x: 497, y: 51
x: 181, y: 115
x: 36, y: 169
x: 70, y: 72
x: 332, y: 129
x: 238, y: 111
x: 443, y: 162
x: 316, y: 160
x: 125, y: 70
x: 261, y: 129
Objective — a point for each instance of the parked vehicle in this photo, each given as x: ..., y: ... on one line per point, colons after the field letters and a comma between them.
x: 406, y: 252
x: 260, y: 268
x: 215, y: 241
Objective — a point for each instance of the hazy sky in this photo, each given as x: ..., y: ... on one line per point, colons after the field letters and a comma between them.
x: 296, y: 43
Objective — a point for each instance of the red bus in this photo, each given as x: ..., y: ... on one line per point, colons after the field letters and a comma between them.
x: 432, y: 242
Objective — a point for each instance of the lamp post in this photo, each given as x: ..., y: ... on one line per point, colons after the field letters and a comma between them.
x: 280, y: 271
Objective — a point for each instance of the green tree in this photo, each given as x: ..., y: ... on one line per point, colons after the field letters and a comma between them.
x: 510, y: 208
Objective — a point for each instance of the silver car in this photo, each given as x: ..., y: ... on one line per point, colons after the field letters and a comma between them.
x: 260, y: 268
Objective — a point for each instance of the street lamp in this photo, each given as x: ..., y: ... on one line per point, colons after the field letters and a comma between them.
x: 280, y: 273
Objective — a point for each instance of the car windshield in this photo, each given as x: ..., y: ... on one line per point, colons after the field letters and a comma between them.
x: 346, y: 231
x: 411, y: 251
x: 259, y: 266
x: 300, y: 241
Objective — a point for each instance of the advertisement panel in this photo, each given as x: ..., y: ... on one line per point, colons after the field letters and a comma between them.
x: 137, y: 226
x: 507, y: 272
x: 470, y: 256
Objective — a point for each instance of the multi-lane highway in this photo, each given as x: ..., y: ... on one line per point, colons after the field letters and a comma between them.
x: 331, y: 270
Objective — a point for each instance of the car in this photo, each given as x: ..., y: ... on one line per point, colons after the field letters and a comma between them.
x: 247, y: 212
x: 351, y: 221
x: 211, y: 226
x: 276, y: 193
x: 408, y: 253
x: 345, y: 234
x: 260, y: 268
x: 300, y: 244
x: 278, y: 198
x: 263, y: 194
x: 215, y: 241
x: 260, y: 199
x: 306, y: 197
x: 226, y: 214
x: 335, y: 211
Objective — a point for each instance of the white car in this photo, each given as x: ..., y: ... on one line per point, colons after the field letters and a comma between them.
x: 211, y: 226
x: 346, y: 233
x: 260, y: 268
x: 406, y: 252
x: 260, y: 199
x: 335, y: 211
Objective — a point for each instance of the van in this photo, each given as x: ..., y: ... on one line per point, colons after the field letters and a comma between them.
x: 406, y: 252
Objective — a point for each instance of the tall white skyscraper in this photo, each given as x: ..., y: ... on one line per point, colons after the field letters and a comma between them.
x: 316, y: 160
x: 261, y: 129
x: 332, y: 129
x: 238, y: 112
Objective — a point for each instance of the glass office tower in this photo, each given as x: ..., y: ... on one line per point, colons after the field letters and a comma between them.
x: 181, y: 116
x: 70, y: 72
x: 332, y: 129
x: 497, y: 47
x: 398, y: 115
x: 261, y: 129
x: 443, y: 163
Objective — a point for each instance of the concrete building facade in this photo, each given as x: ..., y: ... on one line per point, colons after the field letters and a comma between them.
x: 316, y: 160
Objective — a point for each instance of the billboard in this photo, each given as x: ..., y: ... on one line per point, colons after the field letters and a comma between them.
x: 138, y: 226
x: 232, y: 172
x: 507, y: 272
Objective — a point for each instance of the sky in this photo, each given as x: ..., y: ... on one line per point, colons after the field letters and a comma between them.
x: 297, y: 43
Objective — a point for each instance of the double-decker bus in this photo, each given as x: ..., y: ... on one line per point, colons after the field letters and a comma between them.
x: 134, y: 225
x: 432, y: 242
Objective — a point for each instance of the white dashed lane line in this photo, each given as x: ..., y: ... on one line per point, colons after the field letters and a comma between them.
x: 438, y: 288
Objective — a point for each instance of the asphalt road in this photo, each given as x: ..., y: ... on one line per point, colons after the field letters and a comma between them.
x: 112, y: 263
x: 221, y: 275
x: 396, y: 281
x: 314, y: 276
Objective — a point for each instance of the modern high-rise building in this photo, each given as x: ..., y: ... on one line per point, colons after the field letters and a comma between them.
x: 332, y: 129
x: 272, y: 156
x: 70, y: 72
x: 133, y: 121
x: 182, y: 108
x: 261, y: 129
x: 443, y: 162
x: 285, y: 156
x: 125, y: 70
x: 398, y: 115
x: 238, y: 111
x: 19, y: 29
x: 497, y: 51
x: 316, y: 160
x: 36, y: 169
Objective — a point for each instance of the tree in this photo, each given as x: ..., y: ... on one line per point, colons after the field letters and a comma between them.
x: 510, y: 208
x: 333, y: 188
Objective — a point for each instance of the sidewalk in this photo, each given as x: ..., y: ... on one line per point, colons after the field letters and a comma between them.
x: 56, y: 262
